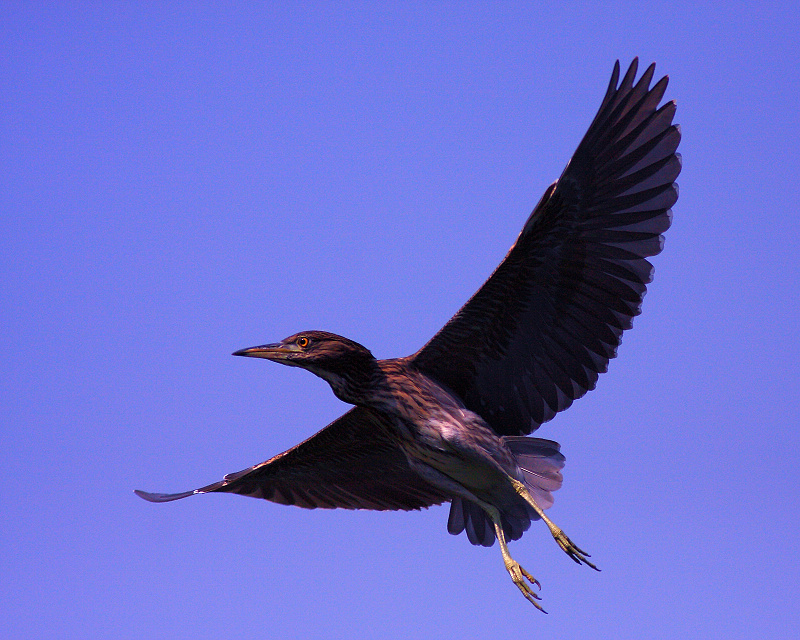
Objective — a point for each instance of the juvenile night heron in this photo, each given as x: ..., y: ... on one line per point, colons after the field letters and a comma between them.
x: 449, y: 423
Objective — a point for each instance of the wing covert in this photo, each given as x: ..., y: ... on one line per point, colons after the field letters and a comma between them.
x: 543, y: 327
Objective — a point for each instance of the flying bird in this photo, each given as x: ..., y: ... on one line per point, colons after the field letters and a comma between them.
x: 450, y: 423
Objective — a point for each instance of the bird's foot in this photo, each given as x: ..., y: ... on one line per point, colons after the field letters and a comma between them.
x: 524, y: 582
x: 572, y: 549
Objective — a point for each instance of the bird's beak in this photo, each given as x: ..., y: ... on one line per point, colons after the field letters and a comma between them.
x: 275, y: 351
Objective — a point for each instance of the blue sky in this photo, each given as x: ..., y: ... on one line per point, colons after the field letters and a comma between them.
x: 179, y: 181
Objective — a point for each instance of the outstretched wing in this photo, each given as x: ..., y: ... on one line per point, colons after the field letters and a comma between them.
x: 543, y: 327
x: 351, y: 463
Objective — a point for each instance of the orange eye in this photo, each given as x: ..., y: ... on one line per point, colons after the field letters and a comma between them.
x: 302, y: 342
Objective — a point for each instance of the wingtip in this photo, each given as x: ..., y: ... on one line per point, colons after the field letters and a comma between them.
x: 144, y: 495
x: 162, y: 497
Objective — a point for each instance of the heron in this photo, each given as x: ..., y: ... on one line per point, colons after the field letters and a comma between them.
x: 451, y: 422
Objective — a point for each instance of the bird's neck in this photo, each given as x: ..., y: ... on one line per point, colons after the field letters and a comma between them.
x: 356, y: 381
x: 384, y: 385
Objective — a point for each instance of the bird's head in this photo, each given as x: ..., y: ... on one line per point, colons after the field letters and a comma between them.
x: 344, y: 364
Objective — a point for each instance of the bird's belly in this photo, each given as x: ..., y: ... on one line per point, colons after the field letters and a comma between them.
x: 462, y: 454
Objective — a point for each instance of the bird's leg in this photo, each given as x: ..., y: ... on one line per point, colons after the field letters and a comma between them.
x: 569, y: 547
x: 524, y: 580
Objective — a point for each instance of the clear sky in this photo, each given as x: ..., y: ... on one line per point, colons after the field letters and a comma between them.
x: 181, y: 180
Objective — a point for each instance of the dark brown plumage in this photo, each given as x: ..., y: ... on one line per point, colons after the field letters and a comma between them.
x: 448, y: 423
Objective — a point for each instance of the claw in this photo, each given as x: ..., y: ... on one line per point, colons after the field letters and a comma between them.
x: 532, y: 580
x: 573, y: 550
x: 519, y: 576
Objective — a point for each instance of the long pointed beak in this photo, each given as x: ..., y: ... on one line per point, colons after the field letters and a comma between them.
x: 275, y: 351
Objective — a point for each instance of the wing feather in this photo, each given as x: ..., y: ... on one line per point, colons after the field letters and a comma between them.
x: 352, y: 464
x: 543, y: 327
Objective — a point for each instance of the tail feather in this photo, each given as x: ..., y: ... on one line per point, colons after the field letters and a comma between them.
x: 541, y: 462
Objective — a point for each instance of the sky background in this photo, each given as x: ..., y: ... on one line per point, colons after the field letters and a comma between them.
x: 181, y: 180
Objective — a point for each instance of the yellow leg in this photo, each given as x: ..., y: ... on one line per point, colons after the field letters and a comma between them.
x: 569, y: 547
x: 524, y: 580
x: 521, y: 578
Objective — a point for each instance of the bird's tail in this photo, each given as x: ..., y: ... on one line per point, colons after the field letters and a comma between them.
x: 541, y: 462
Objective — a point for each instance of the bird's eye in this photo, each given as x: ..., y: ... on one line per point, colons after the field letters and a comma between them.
x: 302, y: 342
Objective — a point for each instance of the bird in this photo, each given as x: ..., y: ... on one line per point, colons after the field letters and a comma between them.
x: 452, y: 422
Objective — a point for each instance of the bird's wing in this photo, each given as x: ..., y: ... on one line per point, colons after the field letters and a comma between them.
x: 351, y: 463
x: 539, y: 331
